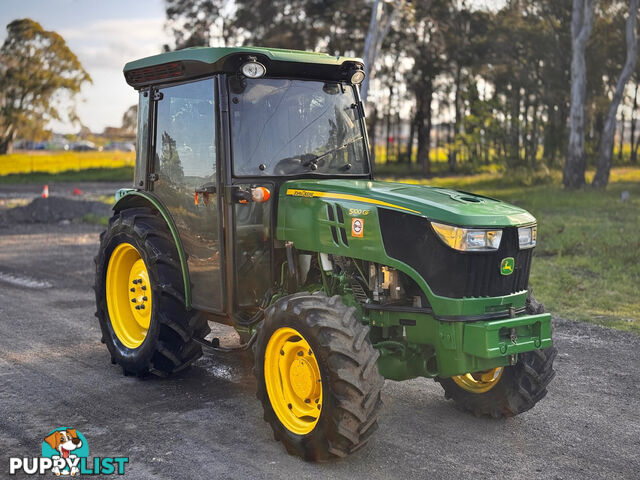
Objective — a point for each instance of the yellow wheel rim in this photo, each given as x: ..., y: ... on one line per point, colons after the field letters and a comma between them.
x: 479, y: 382
x: 293, y: 381
x: 128, y: 295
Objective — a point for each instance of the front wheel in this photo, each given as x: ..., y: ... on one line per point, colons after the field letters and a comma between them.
x: 505, y: 391
x: 317, y: 376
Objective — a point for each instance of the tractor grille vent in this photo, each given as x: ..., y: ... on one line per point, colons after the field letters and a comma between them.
x: 337, y: 218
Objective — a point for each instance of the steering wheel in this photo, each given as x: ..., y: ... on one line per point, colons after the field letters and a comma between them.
x: 301, y: 164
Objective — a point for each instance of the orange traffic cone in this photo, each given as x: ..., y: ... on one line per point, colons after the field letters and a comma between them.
x: 45, y: 191
x: 77, y: 191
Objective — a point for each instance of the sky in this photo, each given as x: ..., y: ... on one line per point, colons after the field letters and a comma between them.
x: 104, y: 34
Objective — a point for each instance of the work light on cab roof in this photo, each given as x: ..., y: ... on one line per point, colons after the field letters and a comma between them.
x: 253, y: 69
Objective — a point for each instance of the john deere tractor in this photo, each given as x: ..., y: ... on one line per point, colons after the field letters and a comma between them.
x: 254, y: 205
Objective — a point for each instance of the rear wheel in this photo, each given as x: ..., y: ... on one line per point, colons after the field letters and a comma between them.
x: 140, y: 297
x: 317, y: 375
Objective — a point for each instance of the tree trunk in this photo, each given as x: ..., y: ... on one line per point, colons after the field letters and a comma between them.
x: 621, y: 142
x: 412, y: 133
x: 423, y: 124
x: 513, y: 157
x: 581, y: 25
x: 388, y: 129
x: 634, y: 155
x: 6, y: 142
x: 456, y: 126
x: 373, y: 127
x: 533, y: 140
x: 379, y: 25
x: 369, y: 45
x: 601, y: 178
x: 550, y: 140
x: 397, y: 144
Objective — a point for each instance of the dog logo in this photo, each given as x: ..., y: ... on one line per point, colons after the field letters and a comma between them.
x: 507, y: 265
x: 65, y: 443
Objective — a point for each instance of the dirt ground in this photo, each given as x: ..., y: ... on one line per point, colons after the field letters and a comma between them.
x: 206, y: 422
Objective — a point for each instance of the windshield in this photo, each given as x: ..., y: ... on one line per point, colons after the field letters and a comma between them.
x: 291, y: 127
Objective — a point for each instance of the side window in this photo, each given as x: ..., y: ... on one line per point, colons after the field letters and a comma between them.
x: 142, y: 140
x: 185, y: 141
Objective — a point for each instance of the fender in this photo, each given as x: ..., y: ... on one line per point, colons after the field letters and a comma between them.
x: 129, y: 198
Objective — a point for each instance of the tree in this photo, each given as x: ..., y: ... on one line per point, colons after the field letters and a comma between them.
x: 36, y: 66
x: 581, y: 25
x: 379, y: 24
x: 331, y: 26
x: 424, y: 43
x: 601, y: 178
x: 130, y: 120
x: 195, y: 23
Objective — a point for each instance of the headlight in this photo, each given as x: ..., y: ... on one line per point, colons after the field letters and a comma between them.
x: 468, y: 239
x: 527, y: 236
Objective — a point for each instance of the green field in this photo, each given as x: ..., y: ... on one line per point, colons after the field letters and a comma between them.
x: 587, y: 262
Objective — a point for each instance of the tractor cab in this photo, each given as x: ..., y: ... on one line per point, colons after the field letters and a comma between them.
x: 250, y: 119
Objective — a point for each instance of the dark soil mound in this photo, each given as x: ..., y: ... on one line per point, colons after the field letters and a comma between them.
x: 53, y: 210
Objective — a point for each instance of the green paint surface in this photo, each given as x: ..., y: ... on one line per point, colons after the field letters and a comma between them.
x: 434, y: 347
x: 439, y: 204
x: 212, y: 55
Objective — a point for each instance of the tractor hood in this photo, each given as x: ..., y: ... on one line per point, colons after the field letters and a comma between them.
x: 444, y: 205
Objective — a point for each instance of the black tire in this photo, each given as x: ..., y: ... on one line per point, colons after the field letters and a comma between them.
x: 169, y: 345
x: 520, y: 387
x: 351, y: 382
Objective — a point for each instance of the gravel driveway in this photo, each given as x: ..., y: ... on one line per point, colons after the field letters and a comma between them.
x: 206, y: 422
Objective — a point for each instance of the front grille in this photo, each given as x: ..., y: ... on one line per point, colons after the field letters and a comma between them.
x: 448, y: 272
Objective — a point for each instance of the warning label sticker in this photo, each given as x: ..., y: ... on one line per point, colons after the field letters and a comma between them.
x: 357, y: 227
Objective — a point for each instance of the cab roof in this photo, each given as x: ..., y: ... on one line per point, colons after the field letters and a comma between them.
x: 195, y: 62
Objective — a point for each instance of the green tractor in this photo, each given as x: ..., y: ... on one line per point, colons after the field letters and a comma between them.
x: 254, y: 205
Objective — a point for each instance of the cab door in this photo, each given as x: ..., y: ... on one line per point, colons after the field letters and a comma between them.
x: 186, y: 181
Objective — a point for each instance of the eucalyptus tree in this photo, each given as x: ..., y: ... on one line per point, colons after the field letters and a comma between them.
x: 36, y: 68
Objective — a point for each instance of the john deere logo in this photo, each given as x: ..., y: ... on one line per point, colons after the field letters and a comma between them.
x: 506, y: 266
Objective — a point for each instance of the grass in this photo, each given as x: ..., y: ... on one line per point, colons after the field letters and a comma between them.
x: 63, y: 161
x: 587, y: 262
x: 95, y: 219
